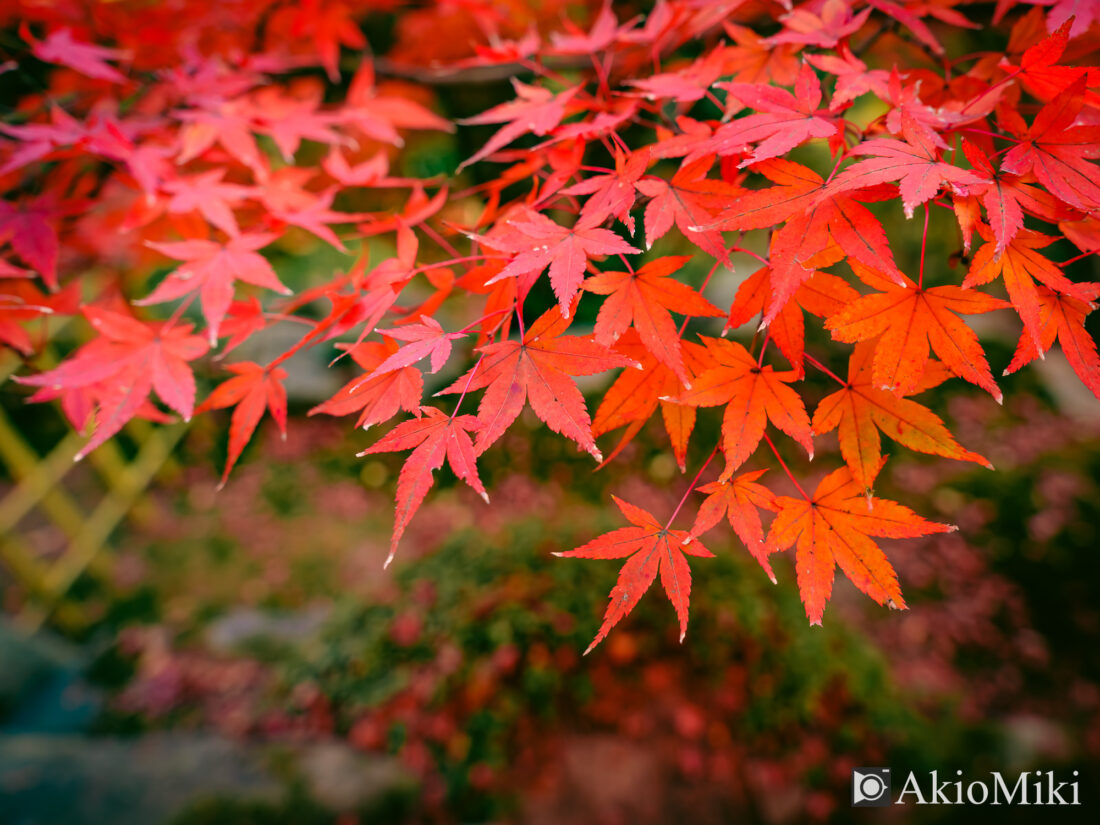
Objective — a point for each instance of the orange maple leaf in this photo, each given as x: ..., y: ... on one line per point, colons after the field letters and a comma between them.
x: 1019, y: 265
x: 821, y: 228
x: 636, y: 394
x: 822, y: 294
x: 644, y: 298
x: 908, y: 321
x: 688, y: 200
x: 377, y: 398
x: 739, y: 500
x: 753, y: 395
x: 1063, y: 317
x: 835, y: 528
x: 860, y: 410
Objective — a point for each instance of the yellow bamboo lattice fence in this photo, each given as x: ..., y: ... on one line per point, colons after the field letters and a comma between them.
x: 38, y: 490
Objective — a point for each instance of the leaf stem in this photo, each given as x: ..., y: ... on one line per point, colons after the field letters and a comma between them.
x: 764, y: 346
x: 750, y: 253
x: 786, y: 469
x: 442, y: 242
x: 466, y: 389
x: 691, y: 486
x: 1076, y: 258
x: 702, y: 287
x: 178, y: 312
x: 807, y: 357
x: 923, y: 248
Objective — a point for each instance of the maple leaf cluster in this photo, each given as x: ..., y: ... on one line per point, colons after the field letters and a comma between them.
x: 642, y: 167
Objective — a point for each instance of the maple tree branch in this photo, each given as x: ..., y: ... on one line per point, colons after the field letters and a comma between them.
x: 519, y: 319
x: 483, y: 256
x: 485, y: 317
x: 540, y: 68
x: 601, y: 76
x: 473, y: 75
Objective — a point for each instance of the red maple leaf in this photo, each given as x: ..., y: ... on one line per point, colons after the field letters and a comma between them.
x: 207, y: 194
x: 211, y: 268
x: 20, y: 301
x: 538, y: 369
x: 290, y: 119
x: 603, y: 33
x: 613, y: 193
x: 250, y: 391
x: 689, y: 200
x: 227, y: 123
x: 914, y: 162
x: 117, y: 371
x: 435, y: 437
x: 1056, y: 151
x: 427, y: 339
x: 30, y: 228
x: 1039, y: 71
x: 685, y: 85
x: 379, y: 398
x: 537, y: 243
x: 653, y: 549
x: 535, y: 109
x: 834, y: 22
x: 820, y: 228
x: 1003, y: 196
x: 330, y: 25
x: 757, y: 59
x: 781, y: 122
x: 740, y: 500
x: 88, y: 59
x: 853, y: 78
x: 1062, y: 317
x: 373, y: 172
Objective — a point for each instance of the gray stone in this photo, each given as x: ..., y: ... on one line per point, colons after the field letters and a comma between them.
x: 65, y: 780
x: 245, y: 626
x: 345, y: 780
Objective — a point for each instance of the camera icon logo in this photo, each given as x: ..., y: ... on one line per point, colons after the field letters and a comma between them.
x: 870, y: 787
